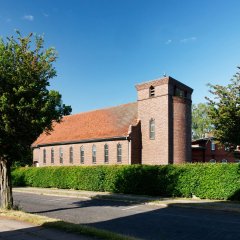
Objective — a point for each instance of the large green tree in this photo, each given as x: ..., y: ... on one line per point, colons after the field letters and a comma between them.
x: 201, y: 122
x: 27, y: 107
x: 224, y: 111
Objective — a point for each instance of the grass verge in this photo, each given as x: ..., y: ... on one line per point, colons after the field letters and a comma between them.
x: 62, y: 225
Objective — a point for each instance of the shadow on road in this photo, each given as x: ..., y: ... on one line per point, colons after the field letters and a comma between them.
x: 48, y: 231
x: 174, y: 221
x: 90, y: 203
x: 177, y: 221
x: 193, y: 220
x: 22, y: 233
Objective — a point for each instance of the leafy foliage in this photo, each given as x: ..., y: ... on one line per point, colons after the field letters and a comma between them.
x: 27, y: 107
x: 201, y: 122
x: 225, y: 111
x: 212, y: 181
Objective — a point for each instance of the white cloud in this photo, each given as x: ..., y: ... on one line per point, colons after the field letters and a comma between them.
x: 45, y: 15
x: 169, y: 41
x: 28, y: 17
x: 191, y: 39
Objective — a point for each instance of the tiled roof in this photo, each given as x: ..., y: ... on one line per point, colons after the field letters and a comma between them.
x: 99, y: 124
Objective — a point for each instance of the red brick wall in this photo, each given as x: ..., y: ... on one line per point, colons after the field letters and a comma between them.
x: 172, y: 115
x: 219, y: 154
x: 198, y: 155
x: 206, y: 154
x: 112, y: 145
x: 181, y: 130
x: 154, y: 151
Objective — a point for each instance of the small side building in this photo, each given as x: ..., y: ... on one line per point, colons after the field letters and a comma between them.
x: 154, y: 130
x: 208, y: 150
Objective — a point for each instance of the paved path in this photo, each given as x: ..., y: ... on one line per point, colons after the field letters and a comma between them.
x: 18, y: 230
x: 137, y: 219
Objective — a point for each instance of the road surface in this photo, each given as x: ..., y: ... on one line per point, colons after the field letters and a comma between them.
x: 138, y: 220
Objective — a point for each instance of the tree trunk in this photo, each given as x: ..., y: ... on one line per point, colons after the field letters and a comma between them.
x: 5, y: 185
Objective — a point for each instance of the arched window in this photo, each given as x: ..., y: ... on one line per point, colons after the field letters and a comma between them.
x: 152, y: 91
x: 119, y: 153
x: 224, y: 160
x: 152, y: 129
x: 71, y: 154
x: 94, y: 154
x: 106, y: 153
x: 82, y: 155
x: 61, y: 155
x: 44, y: 156
x: 52, y: 155
x: 213, y: 145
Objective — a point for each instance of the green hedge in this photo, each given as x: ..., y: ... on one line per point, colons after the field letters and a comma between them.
x: 212, y: 181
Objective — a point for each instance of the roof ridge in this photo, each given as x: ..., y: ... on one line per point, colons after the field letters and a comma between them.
x: 95, y: 110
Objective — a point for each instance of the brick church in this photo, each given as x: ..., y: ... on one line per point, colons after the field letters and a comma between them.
x: 154, y: 130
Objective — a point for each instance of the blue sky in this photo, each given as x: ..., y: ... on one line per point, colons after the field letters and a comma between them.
x: 105, y: 47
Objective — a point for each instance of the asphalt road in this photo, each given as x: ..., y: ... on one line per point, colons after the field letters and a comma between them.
x: 139, y: 220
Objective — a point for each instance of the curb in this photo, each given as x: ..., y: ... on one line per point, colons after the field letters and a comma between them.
x: 88, y: 194
x: 219, y: 205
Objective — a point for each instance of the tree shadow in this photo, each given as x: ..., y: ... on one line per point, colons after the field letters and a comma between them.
x: 95, y: 202
x: 235, y: 196
x: 21, y: 230
x: 177, y: 221
x: 172, y: 222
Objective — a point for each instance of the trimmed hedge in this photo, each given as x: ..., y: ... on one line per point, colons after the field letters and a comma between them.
x: 212, y: 181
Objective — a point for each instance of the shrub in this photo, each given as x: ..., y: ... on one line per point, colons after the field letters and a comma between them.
x: 212, y: 181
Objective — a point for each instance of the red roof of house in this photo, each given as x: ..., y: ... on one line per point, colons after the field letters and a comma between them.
x: 99, y: 124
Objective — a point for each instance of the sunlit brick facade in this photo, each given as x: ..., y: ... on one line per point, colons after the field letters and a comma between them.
x: 154, y: 130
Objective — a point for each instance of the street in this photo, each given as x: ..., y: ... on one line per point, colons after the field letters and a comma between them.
x: 138, y: 220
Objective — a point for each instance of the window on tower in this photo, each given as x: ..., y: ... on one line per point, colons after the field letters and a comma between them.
x: 151, y: 91
x: 152, y: 129
x: 180, y: 93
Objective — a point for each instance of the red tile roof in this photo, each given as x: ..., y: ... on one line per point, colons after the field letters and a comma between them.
x: 99, y: 124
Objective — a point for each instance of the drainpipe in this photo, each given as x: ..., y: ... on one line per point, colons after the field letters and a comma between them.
x: 129, y: 151
x: 129, y: 145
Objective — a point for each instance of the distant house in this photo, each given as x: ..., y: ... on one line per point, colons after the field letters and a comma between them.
x: 154, y: 130
x: 208, y: 150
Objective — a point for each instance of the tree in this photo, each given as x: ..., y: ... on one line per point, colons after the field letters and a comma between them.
x: 224, y: 111
x: 201, y: 122
x: 27, y: 107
